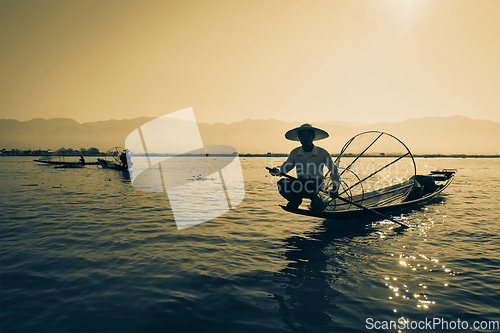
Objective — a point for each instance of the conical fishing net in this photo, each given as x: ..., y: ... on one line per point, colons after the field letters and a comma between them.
x: 376, y: 169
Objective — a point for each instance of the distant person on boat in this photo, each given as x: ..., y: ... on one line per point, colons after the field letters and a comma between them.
x: 82, y: 160
x: 309, y: 161
x: 123, y: 158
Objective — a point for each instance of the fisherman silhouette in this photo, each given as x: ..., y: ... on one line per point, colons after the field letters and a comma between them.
x: 309, y: 161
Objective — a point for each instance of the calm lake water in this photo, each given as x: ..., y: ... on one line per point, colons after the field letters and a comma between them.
x: 83, y: 251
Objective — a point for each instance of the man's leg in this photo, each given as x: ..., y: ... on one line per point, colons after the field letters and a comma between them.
x: 311, y: 190
x: 291, y: 190
x: 317, y: 204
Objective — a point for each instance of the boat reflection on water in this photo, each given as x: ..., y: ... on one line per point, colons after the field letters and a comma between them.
x: 316, y: 261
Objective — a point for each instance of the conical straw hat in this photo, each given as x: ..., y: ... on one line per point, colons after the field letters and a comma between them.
x: 293, y: 134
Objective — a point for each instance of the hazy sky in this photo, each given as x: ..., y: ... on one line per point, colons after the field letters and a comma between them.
x: 370, y: 61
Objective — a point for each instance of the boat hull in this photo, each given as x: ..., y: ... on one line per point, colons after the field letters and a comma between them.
x: 65, y: 163
x: 69, y: 166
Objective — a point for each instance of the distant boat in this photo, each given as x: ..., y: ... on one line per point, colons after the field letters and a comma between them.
x: 64, y: 163
x: 70, y: 166
x: 110, y: 165
x: 115, y: 159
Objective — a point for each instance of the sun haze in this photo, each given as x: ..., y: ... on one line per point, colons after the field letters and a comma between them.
x: 370, y: 61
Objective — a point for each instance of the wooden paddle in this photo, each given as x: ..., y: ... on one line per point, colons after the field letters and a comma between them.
x: 354, y: 204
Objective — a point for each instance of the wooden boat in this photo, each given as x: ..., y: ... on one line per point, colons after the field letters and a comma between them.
x: 65, y: 163
x: 69, y: 166
x: 111, y: 165
x: 424, y: 189
x: 113, y: 160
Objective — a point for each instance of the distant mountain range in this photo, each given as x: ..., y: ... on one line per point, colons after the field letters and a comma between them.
x: 434, y: 135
